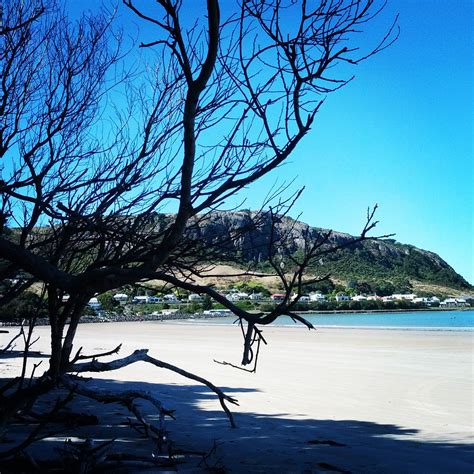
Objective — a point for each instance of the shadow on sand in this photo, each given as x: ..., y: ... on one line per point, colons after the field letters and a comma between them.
x: 264, y: 443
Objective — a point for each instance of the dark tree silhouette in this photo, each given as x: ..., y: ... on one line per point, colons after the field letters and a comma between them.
x: 92, y: 156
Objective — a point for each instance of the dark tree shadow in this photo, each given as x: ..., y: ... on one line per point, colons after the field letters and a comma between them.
x: 262, y: 443
x: 18, y: 353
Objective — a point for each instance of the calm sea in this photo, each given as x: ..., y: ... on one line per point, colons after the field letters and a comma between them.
x: 446, y: 320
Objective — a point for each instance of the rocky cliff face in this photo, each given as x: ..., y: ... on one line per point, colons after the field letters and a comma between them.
x: 248, y: 235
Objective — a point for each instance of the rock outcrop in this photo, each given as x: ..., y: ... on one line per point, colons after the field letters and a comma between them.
x: 248, y: 236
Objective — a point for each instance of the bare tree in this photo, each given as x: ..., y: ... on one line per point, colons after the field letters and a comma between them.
x: 86, y: 177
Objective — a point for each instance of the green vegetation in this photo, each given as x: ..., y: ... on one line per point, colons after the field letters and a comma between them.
x: 108, y: 302
x: 26, y: 305
x: 365, y: 263
x: 251, y: 287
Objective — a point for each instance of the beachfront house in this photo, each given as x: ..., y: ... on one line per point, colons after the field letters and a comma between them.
x: 302, y: 298
x: 277, y: 297
x: 374, y: 298
x: 195, y: 298
x: 255, y: 296
x: 448, y: 302
x: 140, y: 300
x: 239, y: 296
x: 317, y: 297
x: 454, y: 303
x: 121, y: 298
x: 154, y: 299
x: 403, y: 297
x: 342, y: 297
x: 421, y: 300
x: 171, y: 298
x: 94, y: 303
x: 426, y: 300
x: 359, y: 298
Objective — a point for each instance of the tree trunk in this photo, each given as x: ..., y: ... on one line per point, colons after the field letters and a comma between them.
x: 71, y: 333
x: 56, y: 348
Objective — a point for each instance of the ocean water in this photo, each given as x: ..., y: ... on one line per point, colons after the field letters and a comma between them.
x: 431, y: 320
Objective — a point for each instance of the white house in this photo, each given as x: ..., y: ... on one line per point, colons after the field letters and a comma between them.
x: 359, y: 298
x: 454, y: 302
x: 255, y: 296
x: 238, y: 296
x: 195, y: 298
x: 374, y: 298
x: 449, y: 302
x: 342, y: 297
x: 317, y: 297
x: 94, y: 303
x: 170, y: 298
x: 154, y: 299
x: 421, y: 300
x: 302, y: 299
x: 140, y: 299
x: 121, y: 297
x: 278, y: 297
x: 403, y: 297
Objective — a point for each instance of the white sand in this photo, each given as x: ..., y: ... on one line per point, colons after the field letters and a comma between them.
x: 400, y: 401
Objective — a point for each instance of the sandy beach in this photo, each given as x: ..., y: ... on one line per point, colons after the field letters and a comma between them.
x: 340, y: 400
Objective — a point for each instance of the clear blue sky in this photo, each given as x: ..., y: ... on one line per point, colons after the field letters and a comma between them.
x: 400, y: 135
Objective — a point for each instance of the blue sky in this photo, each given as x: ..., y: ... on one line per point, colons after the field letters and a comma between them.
x: 399, y: 135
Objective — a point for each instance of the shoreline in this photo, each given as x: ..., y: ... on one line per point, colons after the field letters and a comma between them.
x: 297, y: 326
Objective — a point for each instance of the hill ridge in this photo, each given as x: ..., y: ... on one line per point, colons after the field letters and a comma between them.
x: 246, y: 233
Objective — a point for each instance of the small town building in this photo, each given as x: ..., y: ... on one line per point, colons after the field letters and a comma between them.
x: 195, y: 298
x: 454, y: 303
x: 317, y: 297
x: 121, y: 297
x: 94, y: 303
x: 278, y: 297
x: 342, y: 297
x: 140, y: 299
x: 239, y: 296
x: 374, y: 298
x: 154, y: 299
x: 170, y: 298
x: 302, y: 298
x: 403, y: 297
